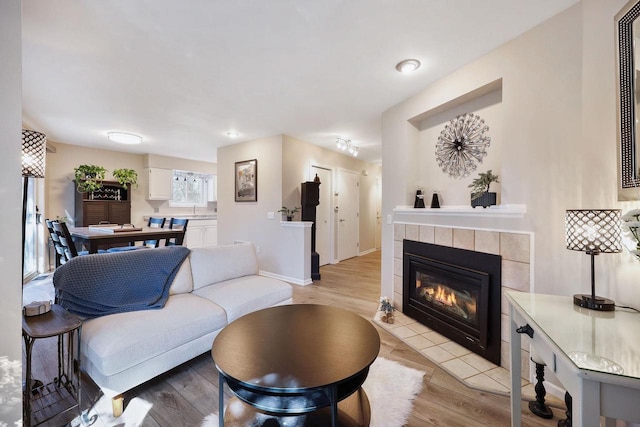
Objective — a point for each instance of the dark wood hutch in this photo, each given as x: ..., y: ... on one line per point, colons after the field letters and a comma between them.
x: 111, y: 203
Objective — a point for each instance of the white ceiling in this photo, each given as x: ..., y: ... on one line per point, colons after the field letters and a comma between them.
x: 183, y: 73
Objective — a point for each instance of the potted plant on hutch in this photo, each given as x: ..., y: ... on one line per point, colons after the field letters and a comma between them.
x: 289, y: 212
x: 89, y: 178
x: 480, y: 195
x: 126, y: 177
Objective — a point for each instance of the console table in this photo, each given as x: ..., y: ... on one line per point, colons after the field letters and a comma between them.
x: 296, y: 360
x: 594, y: 354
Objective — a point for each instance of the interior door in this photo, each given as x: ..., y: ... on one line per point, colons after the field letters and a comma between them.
x: 348, y: 201
x: 323, y: 215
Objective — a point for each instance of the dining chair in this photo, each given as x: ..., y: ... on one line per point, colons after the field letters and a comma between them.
x: 177, y: 224
x: 58, y: 248
x: 68, y: 247
x: 154, y: 222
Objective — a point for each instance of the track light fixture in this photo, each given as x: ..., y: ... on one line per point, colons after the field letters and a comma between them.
x: 346, y: 145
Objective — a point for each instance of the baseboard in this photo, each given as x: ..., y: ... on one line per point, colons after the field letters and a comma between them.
x: 367, y: 252
x: 304, y: 282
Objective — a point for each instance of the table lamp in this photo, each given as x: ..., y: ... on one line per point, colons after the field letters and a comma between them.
x: 593, y: 231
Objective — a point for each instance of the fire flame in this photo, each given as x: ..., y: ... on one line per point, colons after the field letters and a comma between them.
x: 445, y: 297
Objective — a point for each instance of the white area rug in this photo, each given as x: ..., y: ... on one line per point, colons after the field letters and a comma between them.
x: 391, y: 388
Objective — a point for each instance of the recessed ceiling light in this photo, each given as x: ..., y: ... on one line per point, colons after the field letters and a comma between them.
x: 124, y: 137
x: 408, y: 65
x: 233, y: 134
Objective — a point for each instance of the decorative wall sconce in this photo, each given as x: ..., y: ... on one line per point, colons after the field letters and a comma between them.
x: 346, y: 145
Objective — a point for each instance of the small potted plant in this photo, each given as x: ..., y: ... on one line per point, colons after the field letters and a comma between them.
x: 480, y: 195
x: 89, y: 178
x: 289, y: 212
x: 387, y: 309
x: 126, y: 177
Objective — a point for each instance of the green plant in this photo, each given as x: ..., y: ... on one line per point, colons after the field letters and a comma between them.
x: 480, y: 185
x: 386, y: 306
x: 89, y: 177
x: 126, y: 176
x: 289, y: 212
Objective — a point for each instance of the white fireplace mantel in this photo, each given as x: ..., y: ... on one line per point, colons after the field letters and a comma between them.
x: 499, y: 211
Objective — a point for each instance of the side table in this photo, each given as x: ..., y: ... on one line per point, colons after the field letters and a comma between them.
x: 47, y: 401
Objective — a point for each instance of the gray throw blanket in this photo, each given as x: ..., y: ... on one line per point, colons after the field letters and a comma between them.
x: 100, y: 284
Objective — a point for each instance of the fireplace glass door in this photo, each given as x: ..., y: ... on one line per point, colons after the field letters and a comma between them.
x: 451, y: 294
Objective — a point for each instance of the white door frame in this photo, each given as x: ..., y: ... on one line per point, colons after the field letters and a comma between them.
x: 332, y: 230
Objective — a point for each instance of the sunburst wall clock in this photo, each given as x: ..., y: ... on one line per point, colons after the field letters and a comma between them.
x: 462, y: 144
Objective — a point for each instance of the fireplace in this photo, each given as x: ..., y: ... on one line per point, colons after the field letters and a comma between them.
x: 455, y: 292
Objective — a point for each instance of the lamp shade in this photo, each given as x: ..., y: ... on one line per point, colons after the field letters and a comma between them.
x: 34, y: 153
x: 596, y: 230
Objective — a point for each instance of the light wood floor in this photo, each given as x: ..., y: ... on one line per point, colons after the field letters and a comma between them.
x: 185, y: 395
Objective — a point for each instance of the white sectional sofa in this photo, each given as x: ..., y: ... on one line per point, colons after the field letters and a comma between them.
x: 214, y: 286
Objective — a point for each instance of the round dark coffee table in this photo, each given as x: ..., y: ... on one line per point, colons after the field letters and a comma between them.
x: 296, y: 360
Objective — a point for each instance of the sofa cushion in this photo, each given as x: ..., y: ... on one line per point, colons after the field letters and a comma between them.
x: 119, y: 341
x: 219, y: 263
x: 246, y: 294
x: 182, y: 283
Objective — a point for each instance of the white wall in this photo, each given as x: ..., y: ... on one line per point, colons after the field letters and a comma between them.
x: 248, y: 220
x: 557, y: 143
x: 11, y: 212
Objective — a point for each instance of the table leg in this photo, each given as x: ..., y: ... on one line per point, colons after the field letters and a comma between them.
x: 516, y: 391
x: 567, y: 421
x: 220, y: 400
x: 27, y: 387
x: 586, y: 404
x: 334, y: 406
x: 76, y: 368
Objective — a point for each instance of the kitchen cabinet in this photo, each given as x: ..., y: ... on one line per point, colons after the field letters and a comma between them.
x: 110, y: 203
x: 201, y: 233
x: 159, y: 183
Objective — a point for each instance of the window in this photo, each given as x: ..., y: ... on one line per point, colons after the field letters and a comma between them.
x: 189, y: 189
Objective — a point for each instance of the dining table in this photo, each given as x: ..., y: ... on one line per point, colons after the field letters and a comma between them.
x: 92, y: 238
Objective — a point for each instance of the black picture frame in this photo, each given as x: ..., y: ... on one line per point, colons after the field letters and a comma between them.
x: 246, y: 179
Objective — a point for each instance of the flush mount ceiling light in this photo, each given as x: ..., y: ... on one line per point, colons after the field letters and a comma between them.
x: 346, y: 145
x: 408, y: 65
x: 233, y: 134
x: 124, y: 138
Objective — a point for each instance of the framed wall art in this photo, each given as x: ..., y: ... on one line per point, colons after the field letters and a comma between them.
x: 246, y: 181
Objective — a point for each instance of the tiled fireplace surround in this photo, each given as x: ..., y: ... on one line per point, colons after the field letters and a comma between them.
x: 515, y: 249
